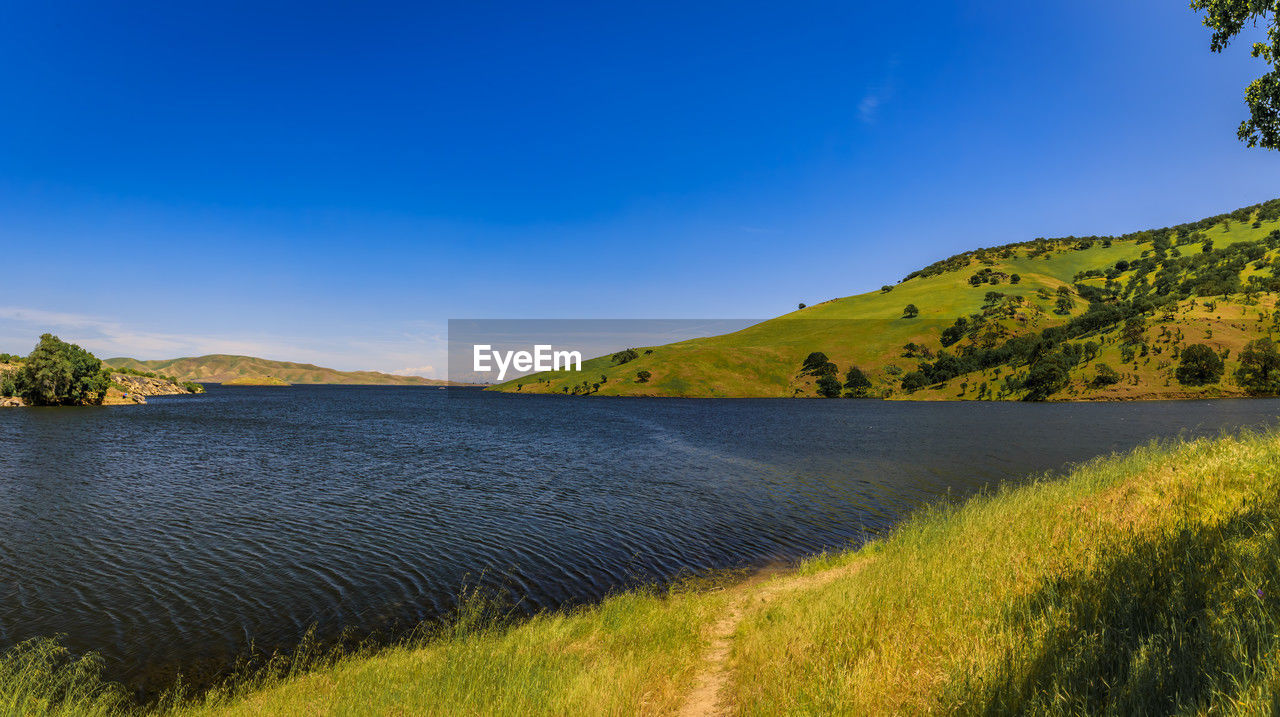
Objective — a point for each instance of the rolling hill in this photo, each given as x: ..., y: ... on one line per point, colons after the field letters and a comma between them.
x: 221, y: 368
x: 1102, y: 318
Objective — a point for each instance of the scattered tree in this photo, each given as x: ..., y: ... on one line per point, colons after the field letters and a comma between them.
x: 1135, y: 328
x: 643, y: 376
x: 828, y: 386
x: 856, y: 382
x: 816, y: 363
x: 1199, y: 365
x: 1105, y: 376
x: 910, y: 312
x: 1259, y: 371
x: 914, y: 381
x: 1048, y: 375
x: 624, y: 356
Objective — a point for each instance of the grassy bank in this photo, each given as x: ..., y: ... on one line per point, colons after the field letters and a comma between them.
x: 1147, y: 583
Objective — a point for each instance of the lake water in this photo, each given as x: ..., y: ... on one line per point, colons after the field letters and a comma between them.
x: 168, y: 536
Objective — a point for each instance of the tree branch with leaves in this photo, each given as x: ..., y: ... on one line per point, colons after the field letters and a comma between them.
x: 1227, y: 19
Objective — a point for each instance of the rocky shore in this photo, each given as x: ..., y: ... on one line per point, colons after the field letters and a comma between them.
x: 126, y: 390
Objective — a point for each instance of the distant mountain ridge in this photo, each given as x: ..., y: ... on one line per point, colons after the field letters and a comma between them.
x: 219, y: 368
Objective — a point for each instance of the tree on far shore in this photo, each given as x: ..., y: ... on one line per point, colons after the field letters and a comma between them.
x: 57, y: 373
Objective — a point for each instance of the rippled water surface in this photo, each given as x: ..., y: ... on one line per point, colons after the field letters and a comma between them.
x: 168, y: 536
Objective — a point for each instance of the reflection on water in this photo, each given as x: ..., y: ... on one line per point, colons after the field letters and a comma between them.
x: 172, y: 534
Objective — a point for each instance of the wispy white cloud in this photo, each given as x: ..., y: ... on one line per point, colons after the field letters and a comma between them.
x: 425, y: 371
x: 112, y: 338
x: 868, y: 106
x: 879, y: 94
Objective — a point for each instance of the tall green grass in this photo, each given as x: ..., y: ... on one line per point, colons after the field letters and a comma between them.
x: 1147, y: 584
x: 40, y: 677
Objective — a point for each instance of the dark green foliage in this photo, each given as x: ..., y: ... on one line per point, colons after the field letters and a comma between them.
x: 1014, y: 278
x: 955, y: 332
x: 828, y: 386
x: 1259, y: 371
x: 914, y: 350
x: 10, y: 358
x: 1199, y: 365
x: 914, y: 381
x: 801, y: 306
x: 57, y: 373
x: 192, y: 387
x: 624, y: 356
x: 1134, y: 329
x: 1228, y: 18
x: 8, y: 386
x: 1047, y: 376
x: 987, y: 276
x: 910, y: 312
x: 1105, y: 376
x: 815, y: 363
x: 886, y: 289
x: 643, y: 376
x: 856, y: 382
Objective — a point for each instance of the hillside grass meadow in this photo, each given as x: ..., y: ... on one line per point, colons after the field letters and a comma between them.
x: 866, y: 330
x: 1145, y: 583
x: 870, y: 331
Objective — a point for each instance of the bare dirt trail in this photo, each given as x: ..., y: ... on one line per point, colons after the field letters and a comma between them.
x: 707, y: 699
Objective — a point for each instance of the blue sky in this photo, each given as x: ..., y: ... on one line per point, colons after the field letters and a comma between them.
x: 331, y: 182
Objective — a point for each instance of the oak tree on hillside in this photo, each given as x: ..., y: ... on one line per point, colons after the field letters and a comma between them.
x: 1199, y: 365
x: 828, y: 386
x: 856, y: 382
x: 817, y: 364
x: 1259, y: 371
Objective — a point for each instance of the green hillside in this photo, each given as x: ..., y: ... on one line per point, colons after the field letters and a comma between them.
x: 1035, y: 319
x: 221, y: 368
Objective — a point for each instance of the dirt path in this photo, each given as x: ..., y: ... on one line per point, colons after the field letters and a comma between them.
x: 707, y: 697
